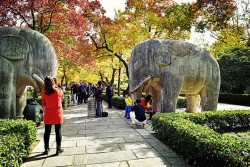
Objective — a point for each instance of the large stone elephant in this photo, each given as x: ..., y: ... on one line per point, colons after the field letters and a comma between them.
x: 26, y: 57
x: 167, y: 68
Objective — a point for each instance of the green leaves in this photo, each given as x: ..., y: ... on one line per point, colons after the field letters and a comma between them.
x: 15, y: 138
x: 235, y: 66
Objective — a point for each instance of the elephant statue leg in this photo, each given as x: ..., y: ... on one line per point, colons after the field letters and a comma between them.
x: 209, y: 99
x: 21, y: 101
x: 170, y: 90
x: 7, y: 90
x: 193, y: 103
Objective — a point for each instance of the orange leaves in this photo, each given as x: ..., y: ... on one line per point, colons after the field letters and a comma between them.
x: 215, y: 14
x: 64, y: 22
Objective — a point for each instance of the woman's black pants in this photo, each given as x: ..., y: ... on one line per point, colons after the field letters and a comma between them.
x: 47, y: 135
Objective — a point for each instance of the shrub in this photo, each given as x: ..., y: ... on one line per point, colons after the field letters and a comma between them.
x: 15, y: 138
x: 12, y: 150
x: 119, y: 102
x: 190, y: 135
x: 66, y: 100
x: 182, y: 102
x: 241, y: 99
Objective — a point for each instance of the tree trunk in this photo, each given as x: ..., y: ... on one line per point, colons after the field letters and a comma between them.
x: 113, y: 76
x: 119, y: 81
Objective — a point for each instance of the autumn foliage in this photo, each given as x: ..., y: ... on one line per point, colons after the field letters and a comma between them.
x: 81, y: 32
x: 61, y: 21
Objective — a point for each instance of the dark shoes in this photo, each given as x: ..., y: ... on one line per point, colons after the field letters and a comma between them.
x: 60, y: 151
x: 46, y: 152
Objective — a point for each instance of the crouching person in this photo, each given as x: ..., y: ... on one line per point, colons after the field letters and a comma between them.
x: 33, y: 111
x: 137, y: 114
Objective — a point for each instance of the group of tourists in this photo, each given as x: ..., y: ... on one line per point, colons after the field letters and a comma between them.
x: 81, y: 91
x: 137, y: 111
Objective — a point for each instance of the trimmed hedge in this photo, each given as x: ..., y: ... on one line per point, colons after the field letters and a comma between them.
x: 66, y: 100
x: 241, y: 99
x: 119, y: 102
x: 195, y: 136
x: 15, y: 138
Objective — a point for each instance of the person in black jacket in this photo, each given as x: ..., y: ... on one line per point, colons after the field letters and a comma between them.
x: 137, y: 114
x: 109, y: 95
x: 98, y: 98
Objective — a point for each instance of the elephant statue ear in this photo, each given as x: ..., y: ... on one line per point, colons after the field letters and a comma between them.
x: 166, y: 54
x: 13, y: 47
x: 172, y: 51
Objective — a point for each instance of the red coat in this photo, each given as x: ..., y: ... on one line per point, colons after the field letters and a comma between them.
x: 144, y: 105
x: 53, y: 113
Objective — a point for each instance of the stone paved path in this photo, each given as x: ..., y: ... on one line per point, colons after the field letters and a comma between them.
x: 103, y: 142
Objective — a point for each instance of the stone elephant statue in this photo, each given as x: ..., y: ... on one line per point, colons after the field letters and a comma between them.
x: 168, y: 68
x: 26, y: 57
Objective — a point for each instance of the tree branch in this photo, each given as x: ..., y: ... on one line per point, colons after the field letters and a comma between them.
x: 46, y: 27
x: 111, y: 51
x: 20, y: 14
x: 33, y: 16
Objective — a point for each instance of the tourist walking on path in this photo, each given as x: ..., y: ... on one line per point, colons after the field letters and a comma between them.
x: 137, y: 114
x: 98, y: 98
x: 74, y: 92
x: 109, y: 95
x: 129, y: 105
x: 52, y: 97
x: 84, y: 91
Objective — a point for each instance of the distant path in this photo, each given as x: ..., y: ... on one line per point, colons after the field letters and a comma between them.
x: 223, y: 106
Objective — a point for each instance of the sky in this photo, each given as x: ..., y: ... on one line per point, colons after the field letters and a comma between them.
x: 196, y: 38
x: 111, y: 5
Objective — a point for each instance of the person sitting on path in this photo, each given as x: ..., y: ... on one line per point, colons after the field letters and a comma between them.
x: 129, y: 105
x: 52, y: 97
x: 137, y: 114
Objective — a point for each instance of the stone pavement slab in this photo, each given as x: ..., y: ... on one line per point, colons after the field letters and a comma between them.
x: 104, y: 157
x: 115, y: 164
x: 102, y: 142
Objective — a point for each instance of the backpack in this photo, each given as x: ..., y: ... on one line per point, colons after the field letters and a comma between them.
x: 104, y: 114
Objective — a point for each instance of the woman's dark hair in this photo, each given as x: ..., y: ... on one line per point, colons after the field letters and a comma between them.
x: 48, y: 85
x: 148, y: 98
x: 99, y: 83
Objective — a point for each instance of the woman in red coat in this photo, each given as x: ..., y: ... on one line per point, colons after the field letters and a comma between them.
x: 147, y: 103
x: 52, y: 97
